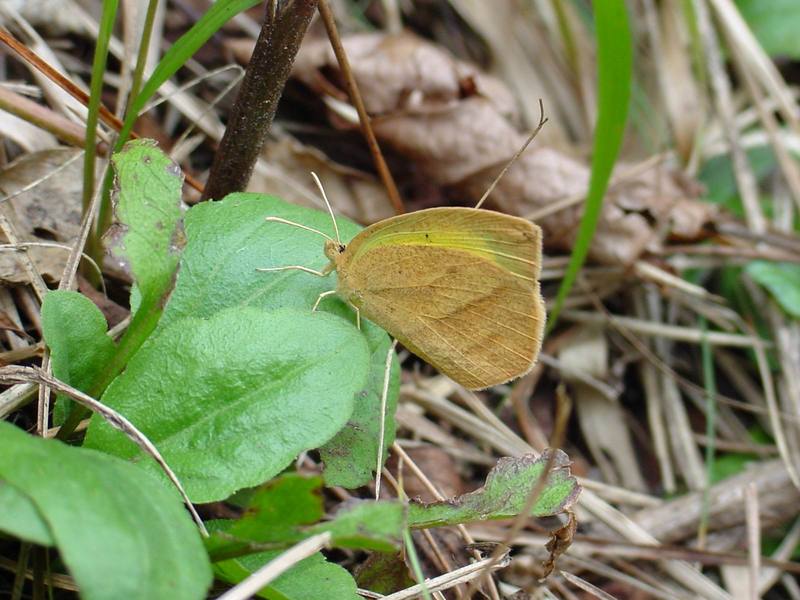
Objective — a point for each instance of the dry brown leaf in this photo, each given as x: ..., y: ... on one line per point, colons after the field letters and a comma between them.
x: 440, y: 469
x: 49, y: 212
x: 286, y: 172
x: 560, y: 540
x: 457, y: 125
x: 602, y: 419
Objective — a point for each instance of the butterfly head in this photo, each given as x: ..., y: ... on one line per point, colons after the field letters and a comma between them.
x: 334, y: 250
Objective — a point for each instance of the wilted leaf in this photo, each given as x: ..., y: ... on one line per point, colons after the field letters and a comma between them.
x: 49, y: 212
x: 507, y: 488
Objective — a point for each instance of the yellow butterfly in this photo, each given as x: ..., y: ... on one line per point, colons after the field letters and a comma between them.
x: 458, y: 287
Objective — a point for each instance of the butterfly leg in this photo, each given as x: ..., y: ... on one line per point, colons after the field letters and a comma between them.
x: 319, y: 299
x: 358, y: 315
x: 387, y: 370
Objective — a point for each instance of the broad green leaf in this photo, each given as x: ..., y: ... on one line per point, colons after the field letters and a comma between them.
x: 614, y: 68
x: 288, y: 510
x: 75, y: 331
x: 226, y: 242
x: 304, y: 581
x: 121, y: 532
x: 20, y: 517
x: 504, y: 496
x: 783, y: 282
x: 775, y: 24
x: 232, y: 399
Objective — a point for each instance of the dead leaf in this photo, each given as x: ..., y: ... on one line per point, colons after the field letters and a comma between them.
x: 602, y: 418
x: 458, y: 126
x: 286, y: 172
x: 560, y: 540
x: 438, y: 466
x: 49, y: 212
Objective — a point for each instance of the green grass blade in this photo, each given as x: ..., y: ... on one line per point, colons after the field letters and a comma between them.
x: 95, y: 96
x: 183, y: 49
x: 614, y: 65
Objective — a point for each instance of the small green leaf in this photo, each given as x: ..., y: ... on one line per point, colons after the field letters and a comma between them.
x: 148, y: 207
x: 231, y: 400
x: 285, y: 510
x: 775, y: 25
x: 121, y: 532
x: 304, y: 581
x: 20, y: 517
x: 782, y: 280
x: 226, y: 242
x: 367, y: 525
x: 505, y: 493
x: 75, y: 331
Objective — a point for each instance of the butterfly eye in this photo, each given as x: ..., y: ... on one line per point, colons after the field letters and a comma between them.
x: 341, y: 248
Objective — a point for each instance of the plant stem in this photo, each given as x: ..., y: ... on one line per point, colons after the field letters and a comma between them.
x: 257, y: 101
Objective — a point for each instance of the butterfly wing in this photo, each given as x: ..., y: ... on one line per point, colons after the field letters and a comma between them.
x: 459, y: 287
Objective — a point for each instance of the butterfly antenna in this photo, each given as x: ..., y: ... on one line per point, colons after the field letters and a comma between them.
x: 299, y: 226
x: 542, y: 121
x: 328, y: 204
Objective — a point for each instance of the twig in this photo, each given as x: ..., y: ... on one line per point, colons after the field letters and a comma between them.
x: 257, y: 101
x: 355, y: 97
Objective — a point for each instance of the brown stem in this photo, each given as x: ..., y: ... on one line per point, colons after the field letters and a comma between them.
x: 257, y: 101
x: 355, y: 97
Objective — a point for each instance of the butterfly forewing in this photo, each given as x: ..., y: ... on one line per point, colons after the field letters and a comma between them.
x: 457, y: 286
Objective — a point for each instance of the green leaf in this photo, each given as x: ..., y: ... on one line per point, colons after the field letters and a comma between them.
x: 719, y: 179
x: 775, y: 24
x: 504, y: 496
x: 367, y: 525
x: 614, y: 67
x: 274, y: 514
x: 304, y: 581
x: 231, y: 400
x: 148, y: 207
x: 782, y: 280
x: 226, y: 242
x: 281, y: 512
x: 121, y: 532
x: 148, y: 214
x: 21, y: 518
x: 75, y: 331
